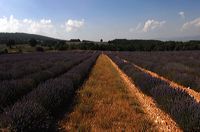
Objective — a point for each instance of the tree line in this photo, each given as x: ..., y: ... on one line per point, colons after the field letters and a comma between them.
x: 113, y: 45
x: 136, y: 45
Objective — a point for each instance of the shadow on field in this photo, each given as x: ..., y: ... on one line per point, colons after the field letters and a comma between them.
x: 68, y: 106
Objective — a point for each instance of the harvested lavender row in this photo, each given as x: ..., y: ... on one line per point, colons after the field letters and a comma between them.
x: 12, y: 90
x: 177, y: 103
x: 34, y: 112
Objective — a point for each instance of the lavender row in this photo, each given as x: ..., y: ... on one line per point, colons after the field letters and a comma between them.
x: 178, y: 103
x: 181, y: 67
x: 35, y: 63
x: 34, y: 112
x: 12, y: 90
x: 9, y: 58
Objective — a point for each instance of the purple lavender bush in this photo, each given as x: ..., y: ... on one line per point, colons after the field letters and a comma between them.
x: 46, y: 98
x: 12, y: 90
x: 27, y: 116
x: 178, y: 103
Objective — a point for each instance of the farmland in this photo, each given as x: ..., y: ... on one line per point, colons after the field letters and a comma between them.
x: 181, y: 102
x: 100, y: 91
x: 182, y: 67
x: 29, y: 99
x: 99, y: 66
x: 104, y: 100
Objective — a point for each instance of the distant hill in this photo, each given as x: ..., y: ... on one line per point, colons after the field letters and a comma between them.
x: 22, y: 37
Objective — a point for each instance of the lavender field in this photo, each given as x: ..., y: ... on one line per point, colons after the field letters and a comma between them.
x: 182, y: 67
x: 99, y: 66
x: 34, y: 86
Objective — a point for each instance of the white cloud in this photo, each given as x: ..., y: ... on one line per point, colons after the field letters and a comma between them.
x: 152, y: 24
x: 191, y: 24
x: 43, y: 21
x: 42, y: 27
x: 27, y: 21
x: 182, y: 14
x: 11, y: 24
x: 73, y: 25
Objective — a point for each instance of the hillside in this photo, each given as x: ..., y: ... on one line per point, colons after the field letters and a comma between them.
x: 22, y: 37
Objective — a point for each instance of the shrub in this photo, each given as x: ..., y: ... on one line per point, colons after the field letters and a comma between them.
x: 10, y: 91
x: 5, y: 51
x: 39, y: 49
x: 181, y: 106
x: 33, y: 42
x: 10, y: 43
x: 52, y: 93
x: 27, y: 116
x: 20, y: 51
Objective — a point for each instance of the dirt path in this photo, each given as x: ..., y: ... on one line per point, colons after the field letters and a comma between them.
x: 163, y: 120
x: 104, y: 103
x: 173, y: 84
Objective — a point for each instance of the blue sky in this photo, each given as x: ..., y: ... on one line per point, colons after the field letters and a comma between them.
x: 107, y: 19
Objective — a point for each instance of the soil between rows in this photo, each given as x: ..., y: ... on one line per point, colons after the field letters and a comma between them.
x: 110, y: 101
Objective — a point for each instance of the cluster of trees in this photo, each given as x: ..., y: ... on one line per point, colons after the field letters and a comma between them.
x: 134, y: 45
x: 32, y: 42
x: 11, y: 39
x: 115, y: 45
x: 126, y: 45
x: 153, y: 45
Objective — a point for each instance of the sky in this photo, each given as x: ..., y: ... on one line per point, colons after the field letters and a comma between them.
x: 106, y: 19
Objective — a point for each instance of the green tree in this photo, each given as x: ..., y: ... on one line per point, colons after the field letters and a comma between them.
x: 10, y: 43
x: 33, y: 42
